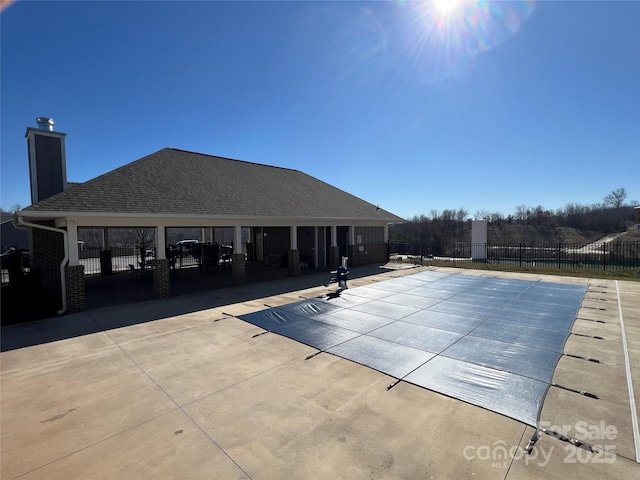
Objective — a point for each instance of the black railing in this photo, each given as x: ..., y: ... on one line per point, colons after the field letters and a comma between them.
x: 594, y: 256
x: 97, y: 261
x: 118, y: 259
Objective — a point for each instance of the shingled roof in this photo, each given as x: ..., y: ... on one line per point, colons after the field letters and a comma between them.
x: 176, y: 182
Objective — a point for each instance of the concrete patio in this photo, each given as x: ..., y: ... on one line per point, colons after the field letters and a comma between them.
x: 181, y: 388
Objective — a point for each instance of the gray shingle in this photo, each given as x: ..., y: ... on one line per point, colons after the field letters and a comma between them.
x: 177, y: 182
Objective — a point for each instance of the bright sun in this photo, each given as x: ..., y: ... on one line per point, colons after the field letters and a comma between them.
x: 445, y: 6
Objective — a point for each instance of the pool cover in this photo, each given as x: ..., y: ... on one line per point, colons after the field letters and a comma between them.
x: 490, y: 342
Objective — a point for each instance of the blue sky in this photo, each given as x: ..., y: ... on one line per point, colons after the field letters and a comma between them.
x: 493, y: 105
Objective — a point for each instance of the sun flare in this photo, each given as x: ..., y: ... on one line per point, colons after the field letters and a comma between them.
x: 446, y: 6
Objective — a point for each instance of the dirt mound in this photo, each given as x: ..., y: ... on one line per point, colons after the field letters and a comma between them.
x: 538, y: 234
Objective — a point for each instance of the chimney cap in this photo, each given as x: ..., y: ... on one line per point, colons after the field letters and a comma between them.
x: 45, y: 123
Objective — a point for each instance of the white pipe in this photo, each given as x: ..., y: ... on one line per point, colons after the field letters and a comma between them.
x: 19, y: 222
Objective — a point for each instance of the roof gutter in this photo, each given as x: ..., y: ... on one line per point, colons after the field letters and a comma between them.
x: 19, y: 222
x: 55, y: 214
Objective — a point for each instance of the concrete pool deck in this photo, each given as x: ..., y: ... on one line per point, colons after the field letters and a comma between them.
x: 180, y: 388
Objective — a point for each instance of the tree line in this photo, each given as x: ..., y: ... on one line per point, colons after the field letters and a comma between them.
x: 611, y: 215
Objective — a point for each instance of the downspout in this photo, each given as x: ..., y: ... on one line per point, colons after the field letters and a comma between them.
x: 19, y: 222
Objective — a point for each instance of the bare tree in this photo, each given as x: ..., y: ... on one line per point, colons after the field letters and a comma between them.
x: 482, y: 215
x: 144, y: 239
x: 495, y: 217
x: 15, y: 208
x: 616, y: 198
x: 521, y: 213
x: 461, y: 214
x: 448, y: 215
x: 539, y: 214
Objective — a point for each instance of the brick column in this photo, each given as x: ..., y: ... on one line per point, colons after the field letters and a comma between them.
x: 74, y: 277
x: 161, y: 281
x: 334, y: 257
x: 46, y: 256
x: 294, y: 263
x: 238, y: 265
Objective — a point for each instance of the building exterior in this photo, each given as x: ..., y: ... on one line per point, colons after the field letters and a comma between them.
x: 287, y: 212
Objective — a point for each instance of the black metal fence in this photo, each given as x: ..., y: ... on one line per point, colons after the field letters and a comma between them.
x: 118, y: 259
x: 126, y: 258
x: 594, y: 256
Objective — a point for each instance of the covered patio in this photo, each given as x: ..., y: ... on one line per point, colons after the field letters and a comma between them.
x: 292, y: 220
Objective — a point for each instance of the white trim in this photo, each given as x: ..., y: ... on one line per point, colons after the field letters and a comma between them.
x: 627, y: 366
x: 72, y: 238
x: 45, y: 133
x: 352, y: 235
x: 161, y: 243
x: 237, y: 239
x: 214, y: 220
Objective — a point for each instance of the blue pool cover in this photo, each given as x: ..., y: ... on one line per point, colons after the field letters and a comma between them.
x: 490, y: 342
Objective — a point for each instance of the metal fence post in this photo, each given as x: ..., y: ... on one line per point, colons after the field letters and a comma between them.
x: 559, y: 256
x: 520, y: 254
